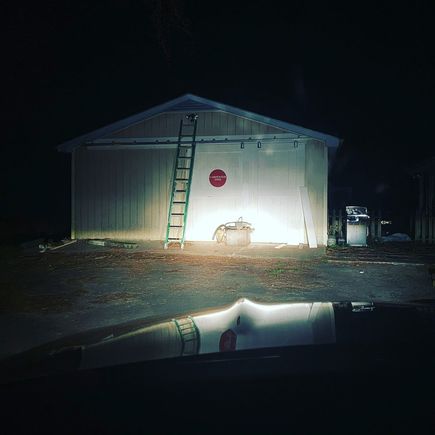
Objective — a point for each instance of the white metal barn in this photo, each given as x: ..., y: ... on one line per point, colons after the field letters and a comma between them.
x: 272, y: 173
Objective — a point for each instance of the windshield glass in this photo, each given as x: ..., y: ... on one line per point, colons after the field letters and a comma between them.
x: 195, y: 158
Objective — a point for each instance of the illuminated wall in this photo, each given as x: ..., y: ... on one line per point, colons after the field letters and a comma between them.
x: 262, y: 186
x: 316, y: 181
x: 123, y: 192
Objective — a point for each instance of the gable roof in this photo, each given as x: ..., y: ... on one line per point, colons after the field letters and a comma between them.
x: 193, y: 103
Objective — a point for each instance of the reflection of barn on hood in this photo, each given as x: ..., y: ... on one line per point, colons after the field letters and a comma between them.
x: 272, y: 173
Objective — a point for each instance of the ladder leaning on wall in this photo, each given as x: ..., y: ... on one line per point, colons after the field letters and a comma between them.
x: 181, y: 182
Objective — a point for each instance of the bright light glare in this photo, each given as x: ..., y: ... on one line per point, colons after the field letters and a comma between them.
x: 267, y: 228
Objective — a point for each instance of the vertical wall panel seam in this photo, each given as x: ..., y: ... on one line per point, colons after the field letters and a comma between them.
x: 73, y: 195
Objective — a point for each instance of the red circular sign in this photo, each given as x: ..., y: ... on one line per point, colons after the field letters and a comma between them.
x: 217, y: 178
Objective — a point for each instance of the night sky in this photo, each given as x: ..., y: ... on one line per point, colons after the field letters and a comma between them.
x: 362, y: 72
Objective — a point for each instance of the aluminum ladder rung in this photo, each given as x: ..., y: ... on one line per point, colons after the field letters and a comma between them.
x: 177, y: 179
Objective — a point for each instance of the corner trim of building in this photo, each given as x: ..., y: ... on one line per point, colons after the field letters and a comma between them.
x: 73, y: 170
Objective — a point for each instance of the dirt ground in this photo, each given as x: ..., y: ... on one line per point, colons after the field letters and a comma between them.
x: 45, y: 296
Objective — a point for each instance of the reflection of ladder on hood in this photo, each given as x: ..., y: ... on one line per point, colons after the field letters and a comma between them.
x: 181, y: 182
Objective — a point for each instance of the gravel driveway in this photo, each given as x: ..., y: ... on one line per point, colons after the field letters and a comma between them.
x: 47, y: 296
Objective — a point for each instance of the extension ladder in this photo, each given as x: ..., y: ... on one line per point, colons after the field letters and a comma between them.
x: 181, y: 182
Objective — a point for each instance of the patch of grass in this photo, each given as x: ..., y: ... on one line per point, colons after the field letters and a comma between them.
x: 293, y: 276
x: 278, y: 270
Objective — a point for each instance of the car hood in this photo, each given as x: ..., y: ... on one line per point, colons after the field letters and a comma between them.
x: 244, y: 325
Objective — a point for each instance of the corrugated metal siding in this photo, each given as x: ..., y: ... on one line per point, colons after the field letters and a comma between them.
x: 122, y: 194
x: 209, y: 124
x: 316, y: 181
x: 210, y: 206
x: 281, y: 173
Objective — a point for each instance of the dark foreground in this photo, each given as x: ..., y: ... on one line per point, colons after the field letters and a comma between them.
x: 346, y: 368
x: 47, y: 296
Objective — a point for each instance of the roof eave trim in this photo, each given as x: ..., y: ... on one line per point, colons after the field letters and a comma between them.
x: 330, y: 140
